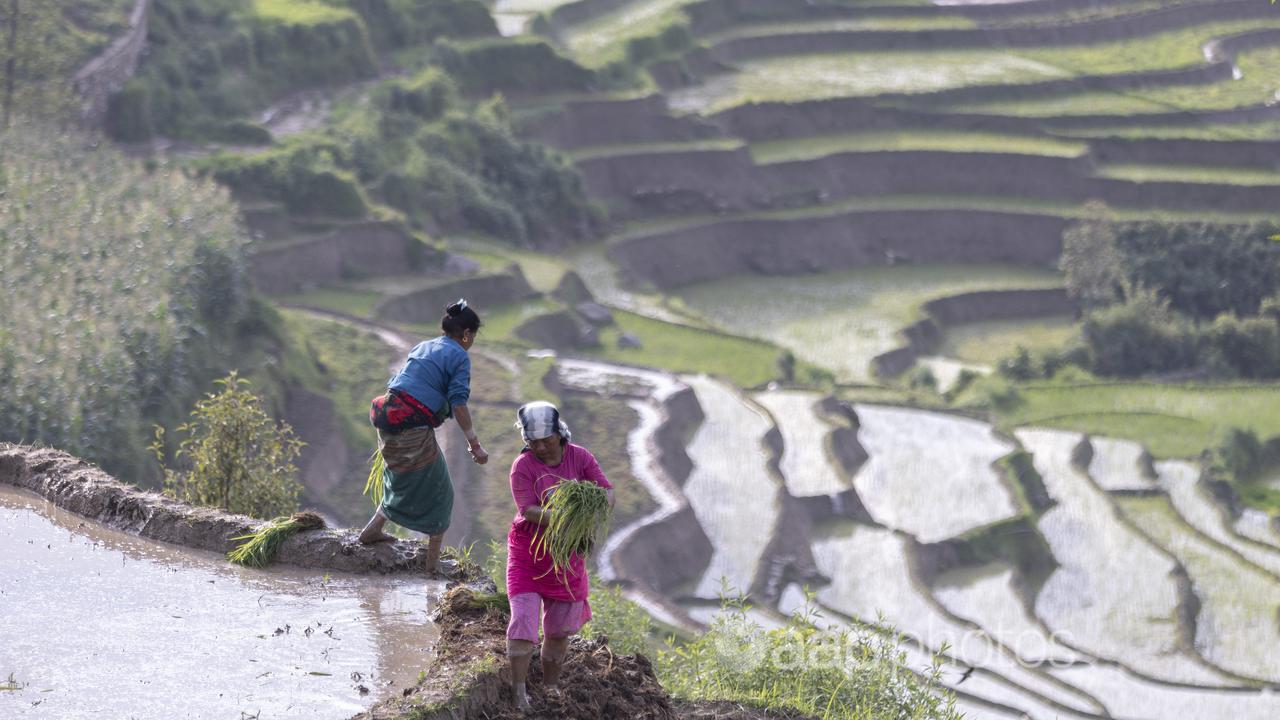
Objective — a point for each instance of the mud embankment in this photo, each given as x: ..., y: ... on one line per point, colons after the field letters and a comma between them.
x: 348, y: 252
x: 1261, y: 154
x: 1087, y: 31
x: 724, y: 181
x: 589, y: 123
x: 924, y: 337
x: 781, y: 120
x: 826, y: 243
x: 427, y: 304
x: 1016, y: 541
x: 75, y: 485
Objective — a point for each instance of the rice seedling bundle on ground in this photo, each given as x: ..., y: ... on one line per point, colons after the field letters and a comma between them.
x: 578, y: 516
x: 261, y: 546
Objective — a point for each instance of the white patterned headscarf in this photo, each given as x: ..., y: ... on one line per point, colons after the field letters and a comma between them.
x: 540, y: 419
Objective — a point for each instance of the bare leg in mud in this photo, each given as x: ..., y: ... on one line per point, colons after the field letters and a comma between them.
x: 434, y: 543
x: 373, y: 532
x: 554, y: 651
x: 520, y: 652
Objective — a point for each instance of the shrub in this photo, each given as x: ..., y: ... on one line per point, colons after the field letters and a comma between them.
x: 484, y: 67
x: 1244, y: 347
x: 238, y: 458
x: 1137, y: 337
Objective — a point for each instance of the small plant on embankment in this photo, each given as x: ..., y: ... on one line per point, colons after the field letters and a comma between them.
x: 237, y: 458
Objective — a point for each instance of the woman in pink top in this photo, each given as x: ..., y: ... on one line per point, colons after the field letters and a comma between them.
x: 533, y: 583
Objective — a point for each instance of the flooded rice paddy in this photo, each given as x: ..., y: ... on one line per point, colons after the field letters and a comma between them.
x: 98, y: 623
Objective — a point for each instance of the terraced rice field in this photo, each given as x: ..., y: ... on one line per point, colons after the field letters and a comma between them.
x: 812, y: 77
x: 930, y: 474
x: 805, y: 462
x: 1114, y: 592
x: 1169, y: 420
x: 1236, y: 625
x: 603, y: 40
x: 840, y: 321
x: 985, y: 343
x: 730, y: 483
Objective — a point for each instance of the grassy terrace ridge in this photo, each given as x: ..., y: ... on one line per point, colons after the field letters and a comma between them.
x: 603, y: 40
x: 1259, y: 84
x: 935, y: 22
x: 1265, y: 130
x: 1171, y: 421
x: 975, y: 203
x: 1190, y: 174
x: 299, y: 12
x: 858, y: 74
x: 603, y: 151
x: 816, y: 146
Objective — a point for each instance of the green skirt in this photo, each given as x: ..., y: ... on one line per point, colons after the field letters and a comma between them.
x: 420, y: 499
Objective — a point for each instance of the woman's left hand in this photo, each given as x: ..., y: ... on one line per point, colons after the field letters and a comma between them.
x: 479, y: 455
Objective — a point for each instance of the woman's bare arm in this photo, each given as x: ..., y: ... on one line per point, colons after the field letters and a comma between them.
x: 463, y: 416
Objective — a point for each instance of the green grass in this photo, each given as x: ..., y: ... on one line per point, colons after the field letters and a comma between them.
x: 600, y: 151
x: 810, y: 77
x: 1191, y: 174
x: 679, y: 348
x: 986, y: 343
x: 603, y: 40
x: 935, y: 22
x: 1267, y: 130
x: 941, y: 140
x: 840, y: 321
x: 300, y: 12
x: 1259, y: 84
x: 1170, y: 420
x: 543, y: 271
x: 359, y: 303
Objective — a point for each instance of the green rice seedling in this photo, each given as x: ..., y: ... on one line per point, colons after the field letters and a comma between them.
x: 578, y: 516
x: 261, y: 546
x: 460, y: 598
x: 373, y: 484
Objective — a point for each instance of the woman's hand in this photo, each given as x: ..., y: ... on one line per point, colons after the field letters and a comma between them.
x: 478, y: 454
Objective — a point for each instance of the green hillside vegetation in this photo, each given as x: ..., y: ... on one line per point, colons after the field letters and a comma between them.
x: 125, y: 294
x: 212, y: 64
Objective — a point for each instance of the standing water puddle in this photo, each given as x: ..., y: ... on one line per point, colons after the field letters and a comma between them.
x: 96, y: 623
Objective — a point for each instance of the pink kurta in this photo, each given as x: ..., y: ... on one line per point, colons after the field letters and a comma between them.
x: 531, y: 484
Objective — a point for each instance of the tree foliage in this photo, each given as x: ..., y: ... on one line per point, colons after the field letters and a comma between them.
x: 237, y: 457
x: 1091, y: 260
x: 122, y: 290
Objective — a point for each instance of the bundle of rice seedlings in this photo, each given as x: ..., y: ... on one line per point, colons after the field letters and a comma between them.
x: 261, y: 546
x: 373, y: 485
x: 460, y: 598
x: 579, y: 516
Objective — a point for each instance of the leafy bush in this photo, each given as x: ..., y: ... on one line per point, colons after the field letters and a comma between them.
x: 238, y: 458
x: 1203, y: 270
x: 123, y: 292
x: 1137, y: 337
x: 306, y: 174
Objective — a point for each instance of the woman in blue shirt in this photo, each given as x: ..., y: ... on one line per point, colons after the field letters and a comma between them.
x: 434, y: 383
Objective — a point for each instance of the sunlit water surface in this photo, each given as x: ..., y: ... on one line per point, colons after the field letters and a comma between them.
x: 96, y: 623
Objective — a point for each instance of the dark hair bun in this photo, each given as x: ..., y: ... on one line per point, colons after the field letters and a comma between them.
x: 455, y: 308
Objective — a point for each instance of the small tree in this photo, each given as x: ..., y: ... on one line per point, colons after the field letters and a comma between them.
x: 1091, y: 259
x: 239, y: 459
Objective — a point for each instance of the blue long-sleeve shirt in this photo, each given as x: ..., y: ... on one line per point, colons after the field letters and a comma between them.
x: 437, y: 373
